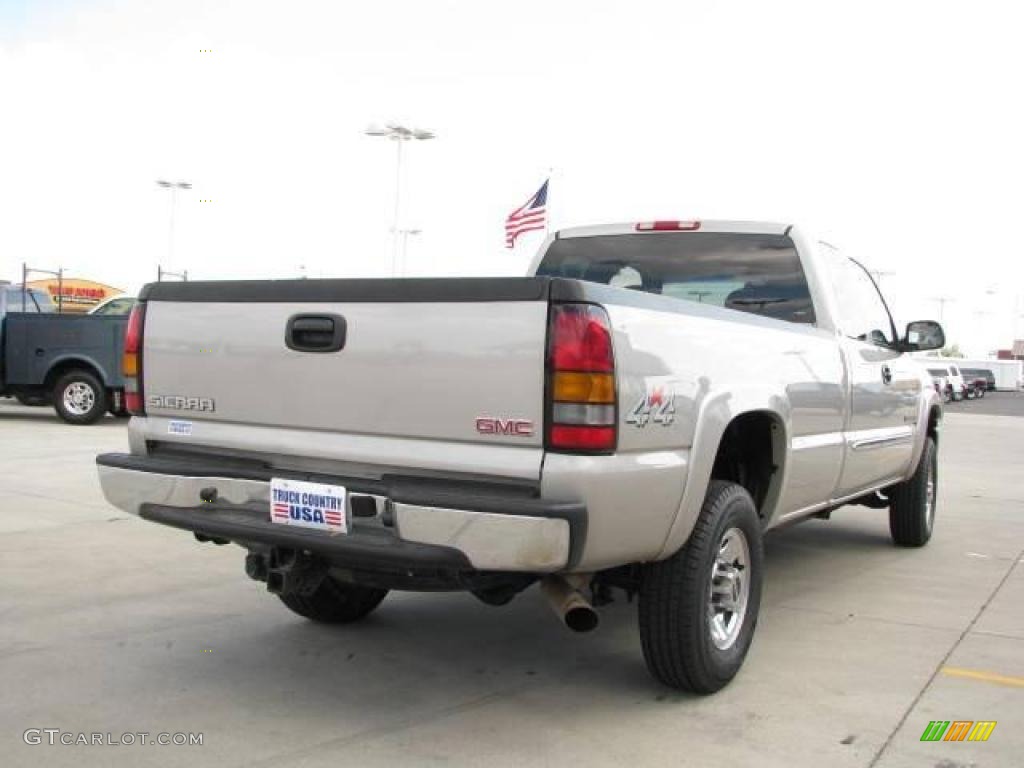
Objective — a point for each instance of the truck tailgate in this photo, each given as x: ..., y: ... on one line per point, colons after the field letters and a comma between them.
x: 422, y: 360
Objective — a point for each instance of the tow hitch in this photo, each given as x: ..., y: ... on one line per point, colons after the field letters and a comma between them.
x: 286, y: 571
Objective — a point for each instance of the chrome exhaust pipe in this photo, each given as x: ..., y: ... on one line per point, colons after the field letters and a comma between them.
x: 568, y: 603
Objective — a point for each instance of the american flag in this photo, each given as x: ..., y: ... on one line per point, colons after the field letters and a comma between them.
x: 279, y: 512
x: 528, y: 217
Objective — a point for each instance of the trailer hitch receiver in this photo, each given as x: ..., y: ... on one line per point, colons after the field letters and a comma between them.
x: 286, y: 571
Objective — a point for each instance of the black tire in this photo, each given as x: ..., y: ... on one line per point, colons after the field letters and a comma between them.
x: 335, y: 602
x: 86, y: 410
x: 912, y: 510
x: 675, y: 596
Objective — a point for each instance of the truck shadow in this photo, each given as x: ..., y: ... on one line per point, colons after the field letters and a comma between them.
x: 40, y: 414
x: 437, y: 650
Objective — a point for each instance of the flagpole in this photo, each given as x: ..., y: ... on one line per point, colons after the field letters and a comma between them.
x: 547, y: 219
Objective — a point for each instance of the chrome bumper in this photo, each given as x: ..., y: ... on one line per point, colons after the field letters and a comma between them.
x: 530, y: 541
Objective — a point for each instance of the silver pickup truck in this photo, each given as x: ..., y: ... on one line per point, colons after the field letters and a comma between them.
x: 634, y: 415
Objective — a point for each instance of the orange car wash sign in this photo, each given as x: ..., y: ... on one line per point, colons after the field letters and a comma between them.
x: 77, y: 295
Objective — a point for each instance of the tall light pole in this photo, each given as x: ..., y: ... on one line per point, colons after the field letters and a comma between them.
x: 404, y: 233
x: 942, y: 301
x: 398, y: 134
x: 174, y: 186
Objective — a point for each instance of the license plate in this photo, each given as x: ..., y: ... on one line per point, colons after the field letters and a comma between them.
x: 308, y: 505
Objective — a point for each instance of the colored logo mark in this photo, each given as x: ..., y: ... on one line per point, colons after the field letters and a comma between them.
x: 958, y: 730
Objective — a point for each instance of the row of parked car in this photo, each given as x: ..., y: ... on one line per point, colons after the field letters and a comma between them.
x: 955, y: 383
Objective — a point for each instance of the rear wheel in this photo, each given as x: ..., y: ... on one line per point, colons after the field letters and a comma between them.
x: 79, y: 398
x: 335, y: 602
x: 912, y: 511
x: 698, y: 608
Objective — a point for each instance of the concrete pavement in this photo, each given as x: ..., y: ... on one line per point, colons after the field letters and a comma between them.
x: 108, y: 623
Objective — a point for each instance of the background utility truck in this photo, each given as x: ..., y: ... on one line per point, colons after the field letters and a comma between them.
x: 633, y: 415
x: 70, y: 361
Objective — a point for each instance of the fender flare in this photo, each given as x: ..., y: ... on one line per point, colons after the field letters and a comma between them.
x: 929, y: 404
x: 715, y: 415
x: 76, y: 360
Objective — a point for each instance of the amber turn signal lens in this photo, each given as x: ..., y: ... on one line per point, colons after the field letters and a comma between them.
x: 574, y: 387
x: 130, y: 364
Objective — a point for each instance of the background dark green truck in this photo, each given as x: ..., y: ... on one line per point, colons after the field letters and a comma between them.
x: 70, y: 361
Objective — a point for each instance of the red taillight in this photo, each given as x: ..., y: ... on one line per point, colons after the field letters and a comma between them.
x: 667, y: 226
x: 133, y: 333
x: 582, y: 438
x: 580, y: 339
x: 131, y: 362
x: 581, y: 380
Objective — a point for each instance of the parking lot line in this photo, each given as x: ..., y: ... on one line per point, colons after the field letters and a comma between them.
x: 987, y: 677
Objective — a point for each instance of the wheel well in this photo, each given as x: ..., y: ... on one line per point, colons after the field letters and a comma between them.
x: 934, y: 417
x: 66, y: 366
x: 750, y: 454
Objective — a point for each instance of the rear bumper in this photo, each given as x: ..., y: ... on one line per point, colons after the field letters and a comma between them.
x: 410, y: 524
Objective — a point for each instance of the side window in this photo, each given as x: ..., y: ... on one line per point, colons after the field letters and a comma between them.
x: 15, y: 299
x: 116, y: 307
x: 862, y: 312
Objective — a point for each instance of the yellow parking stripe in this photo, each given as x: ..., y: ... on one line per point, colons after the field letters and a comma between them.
x: 987, y: 677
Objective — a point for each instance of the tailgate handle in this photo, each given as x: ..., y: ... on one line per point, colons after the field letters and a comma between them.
x: 315, y: 333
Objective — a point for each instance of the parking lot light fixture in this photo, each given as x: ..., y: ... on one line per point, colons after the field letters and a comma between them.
x: 398, y: 134
x: 173, y: 186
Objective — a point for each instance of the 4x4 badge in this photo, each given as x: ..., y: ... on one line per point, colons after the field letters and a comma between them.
x: 657, y: 406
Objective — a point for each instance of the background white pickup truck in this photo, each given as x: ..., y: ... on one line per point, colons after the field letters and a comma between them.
x: 635, y: 414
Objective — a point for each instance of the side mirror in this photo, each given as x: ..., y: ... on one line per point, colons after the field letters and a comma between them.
x: 922, y: 335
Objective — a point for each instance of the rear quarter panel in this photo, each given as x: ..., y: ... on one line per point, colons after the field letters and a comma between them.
x: 714, y: 364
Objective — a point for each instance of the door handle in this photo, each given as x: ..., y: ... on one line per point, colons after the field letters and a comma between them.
x: 886, y: 374
x: 315, y: 333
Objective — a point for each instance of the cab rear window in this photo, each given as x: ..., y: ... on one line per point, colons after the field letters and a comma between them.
x: 756, y: 273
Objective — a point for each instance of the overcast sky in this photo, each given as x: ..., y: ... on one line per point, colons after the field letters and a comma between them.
x: 891, y: 129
